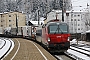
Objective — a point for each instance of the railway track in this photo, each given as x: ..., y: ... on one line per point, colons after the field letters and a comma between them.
x: 6, y: 43
x: 63, y: 57
x: 78, y: 52
x: 71, y: 56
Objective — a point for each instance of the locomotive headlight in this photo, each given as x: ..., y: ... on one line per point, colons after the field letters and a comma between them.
x: 68, y: 38
x: 48, y: 39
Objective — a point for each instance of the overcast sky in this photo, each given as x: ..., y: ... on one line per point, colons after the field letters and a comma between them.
x: 77, y: 3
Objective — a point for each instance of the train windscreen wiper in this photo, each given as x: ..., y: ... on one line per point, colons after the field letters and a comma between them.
x: 58, y: 30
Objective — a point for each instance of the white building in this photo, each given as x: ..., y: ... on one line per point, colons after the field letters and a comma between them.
x: 52, y: 15
x: 75, y: 19
x: 41, y: 21
x: 78, y: 22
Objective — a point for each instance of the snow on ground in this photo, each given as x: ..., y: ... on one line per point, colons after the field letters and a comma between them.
x: 86, y: 52
x: 74, y: 41
x: 1, y: 43
x: 85, y: 57
x: 83, y: 45
x: 6, y: 47
x: 86, y: 48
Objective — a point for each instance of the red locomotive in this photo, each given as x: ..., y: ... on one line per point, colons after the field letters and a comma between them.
x: 54, y: 36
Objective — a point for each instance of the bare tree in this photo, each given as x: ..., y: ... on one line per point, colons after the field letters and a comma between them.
x: 87, y: 20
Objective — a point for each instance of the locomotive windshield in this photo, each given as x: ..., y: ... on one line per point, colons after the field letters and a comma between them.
x: 58, y: 28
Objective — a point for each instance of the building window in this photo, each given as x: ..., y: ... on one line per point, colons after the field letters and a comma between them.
x: 10, y: 25
x: 9, y: 20
x: 71, y: 19
x: 78, y: 19
x: 74, y: 15
x: 78, y: 15
x: 67, y: 14
x: 78, y: 28
x: 2, y: 20
x: 1, y: 16
x: 71, y: 15
x: 1, y: 25
x: 78, y: 24
x: 74, y: 19
x: 9, y: 15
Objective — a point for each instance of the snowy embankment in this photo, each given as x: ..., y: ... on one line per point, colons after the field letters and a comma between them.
x: 77, y: 55
x: 80, y: 51
x: 6, y: 45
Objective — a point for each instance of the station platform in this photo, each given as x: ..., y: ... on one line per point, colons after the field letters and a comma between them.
x: 28, y: 50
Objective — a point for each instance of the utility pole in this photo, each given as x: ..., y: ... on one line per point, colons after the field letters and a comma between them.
x: 62, y: 11
x: 16, y: 24
x: 38, y: 17
x: 39, y: 12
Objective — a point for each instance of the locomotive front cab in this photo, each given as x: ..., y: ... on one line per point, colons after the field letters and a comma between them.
x: 58, y: 36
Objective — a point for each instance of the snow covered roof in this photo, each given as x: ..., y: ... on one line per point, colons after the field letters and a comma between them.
x: 10, y: 12
x: 1, y: 13
x: 80, y: 4
x: 42, y: 19
x: 59, y: 11
x: 56, y: 10
x: 88, y: 31
x: 36, y: 22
